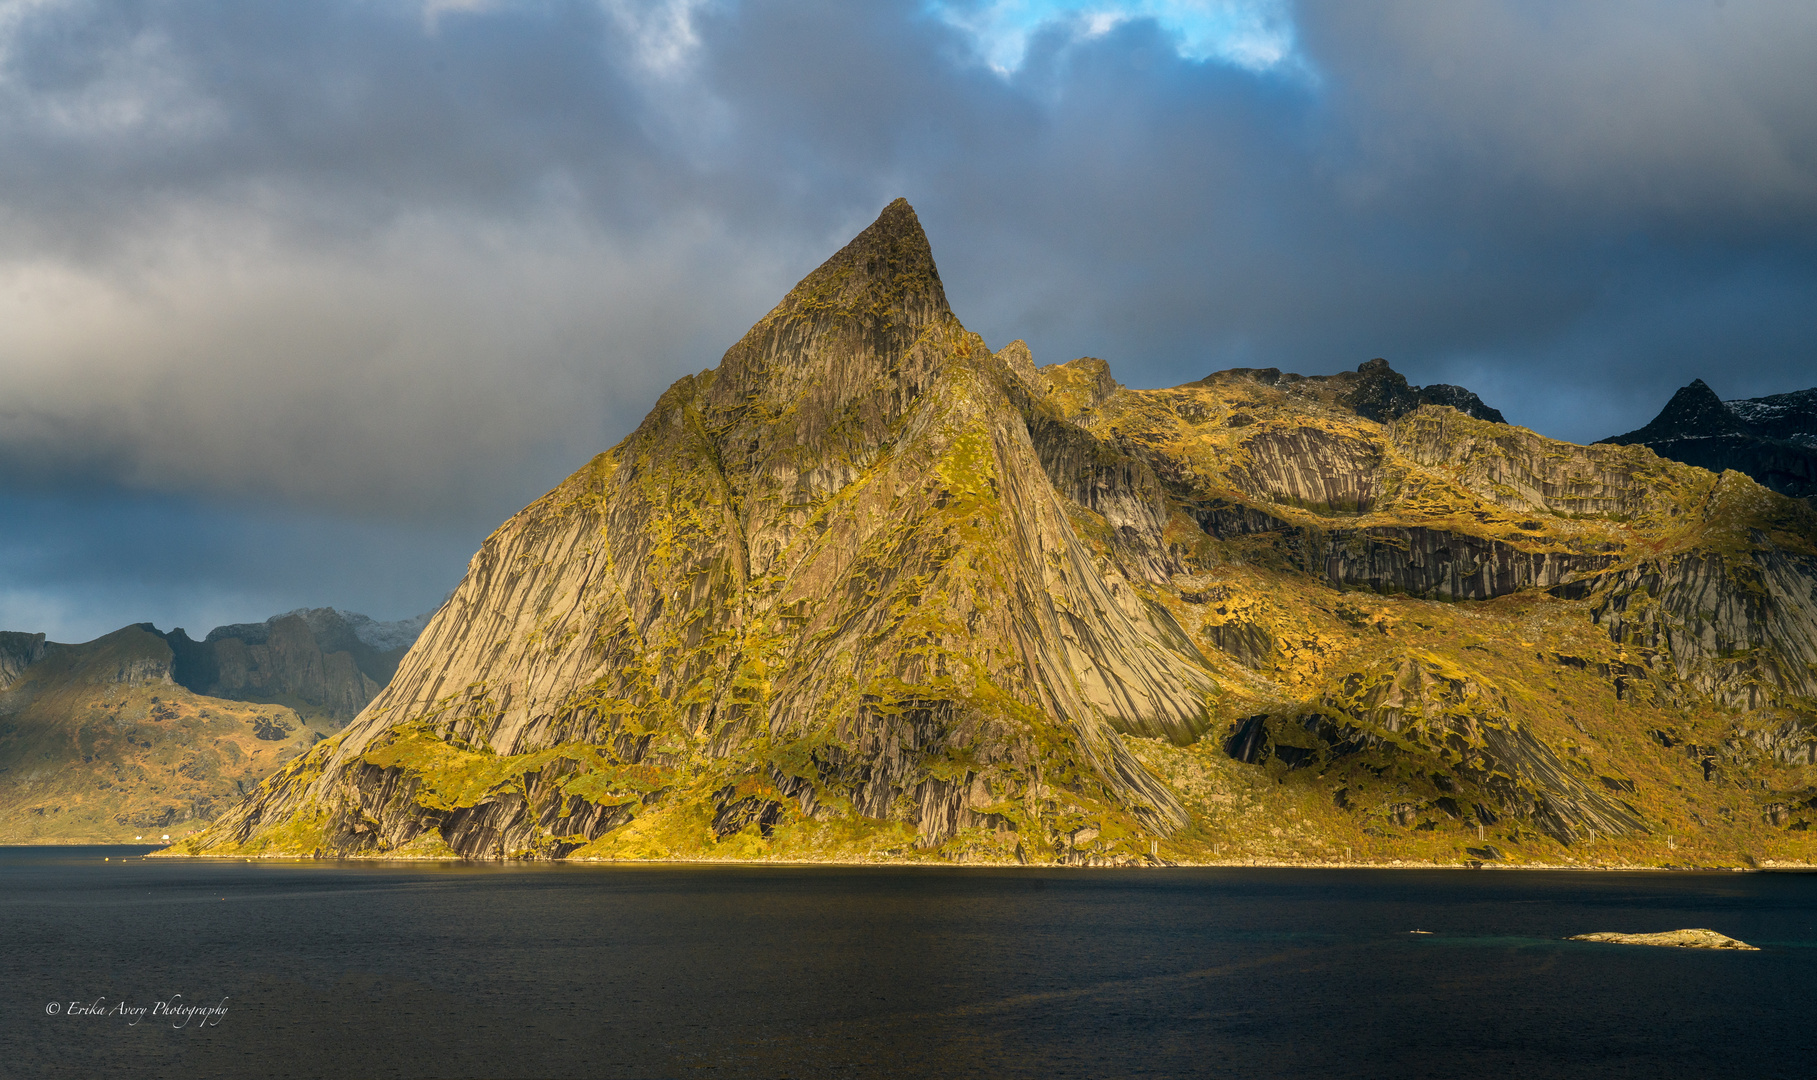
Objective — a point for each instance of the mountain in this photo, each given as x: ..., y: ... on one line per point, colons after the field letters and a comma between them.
x: 141, y: 732
x: 870, y: 590
x: 1380, y: 393
x: 320, y: 658
x: 1772, y: 439
x: 98, y: 744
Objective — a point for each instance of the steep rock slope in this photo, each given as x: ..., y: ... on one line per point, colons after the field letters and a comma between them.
x: 1687, y: 597
x: 826, y: 580
x: 869, y: 590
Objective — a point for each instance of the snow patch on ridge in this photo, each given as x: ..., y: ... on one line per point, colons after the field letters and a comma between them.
x: 383, y: 636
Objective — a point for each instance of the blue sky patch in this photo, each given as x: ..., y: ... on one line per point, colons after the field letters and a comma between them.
x: 1256, y: 35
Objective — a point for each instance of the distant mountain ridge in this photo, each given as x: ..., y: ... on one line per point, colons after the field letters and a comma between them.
x: 1377, y: 391
x: 331, y: 624
x: 139, y: 731
x: 99, y: 744
x: 1772, y: 439
x: 331, y: 659
x: 1792, y: 416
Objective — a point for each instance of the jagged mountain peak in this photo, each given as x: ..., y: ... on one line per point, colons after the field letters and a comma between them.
x: 333, y: 622
x: 885, y: 276
x: 322, y: 657
x: 1374, y: 391
x: 1772, y: 439
x: 1383, y: 394
x: 1694, y: 412
x: 873, y: 298
x: 326, y: 622
x: 890, y: 261
x: 811, y: 393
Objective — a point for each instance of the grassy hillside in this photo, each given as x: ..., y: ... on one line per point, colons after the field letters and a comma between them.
x: 97, y: 745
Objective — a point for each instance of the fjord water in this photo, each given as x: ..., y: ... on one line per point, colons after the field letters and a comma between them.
x: 337, y: 969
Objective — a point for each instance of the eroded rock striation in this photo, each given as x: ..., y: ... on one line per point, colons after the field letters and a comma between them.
x: 871, y: 590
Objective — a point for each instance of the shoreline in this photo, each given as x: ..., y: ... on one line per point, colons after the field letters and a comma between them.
x: 1764, y: 866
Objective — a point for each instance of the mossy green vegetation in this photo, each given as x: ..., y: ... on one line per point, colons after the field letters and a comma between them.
x: 870, y: 592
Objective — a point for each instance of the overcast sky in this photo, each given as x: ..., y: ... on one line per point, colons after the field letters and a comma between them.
x: 299, y: 300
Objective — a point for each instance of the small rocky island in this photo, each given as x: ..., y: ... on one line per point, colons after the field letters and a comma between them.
x: 1675, y: 939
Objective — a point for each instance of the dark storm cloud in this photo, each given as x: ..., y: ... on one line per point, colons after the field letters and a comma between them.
x: 1580, y: 209
x: 1688, y: 118
x: 1577, y: 209
x: 398, y: 267
x: 358, y: 110
x: 344, y: 254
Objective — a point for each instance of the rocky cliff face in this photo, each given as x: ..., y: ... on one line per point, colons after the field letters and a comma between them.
x: 312, y: 658
x: 18, y: 652
x: 1772, y: 439
x: 870, y: 590
x: 1744, y: 633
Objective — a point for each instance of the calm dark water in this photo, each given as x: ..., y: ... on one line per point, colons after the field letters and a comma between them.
x: 338, y: 970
